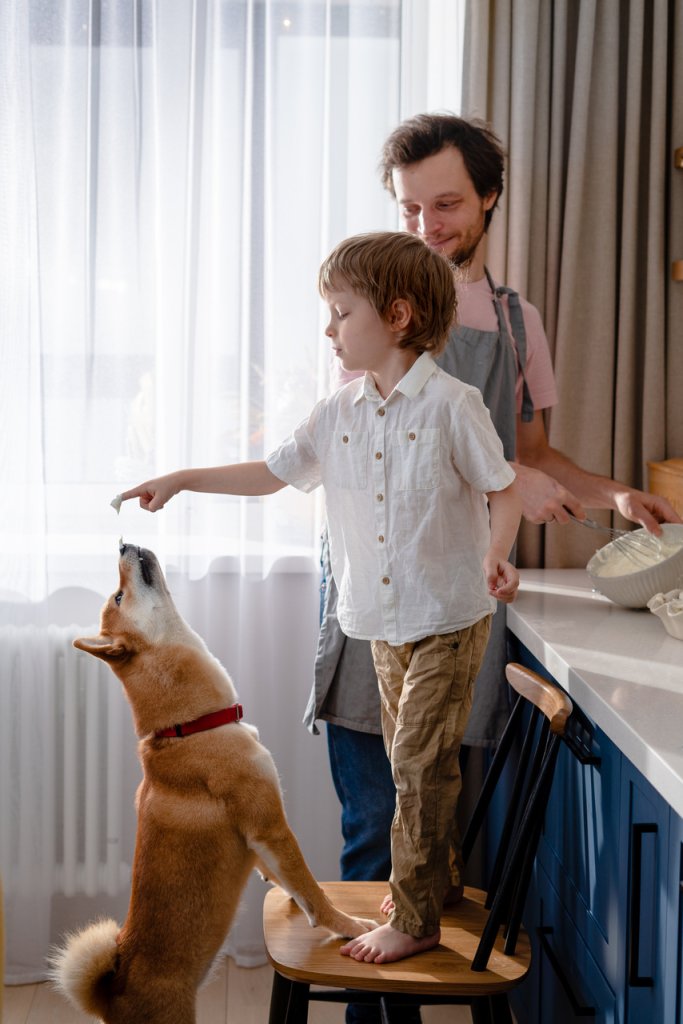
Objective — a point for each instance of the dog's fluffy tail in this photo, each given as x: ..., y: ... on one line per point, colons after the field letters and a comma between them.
x: 82, y: 968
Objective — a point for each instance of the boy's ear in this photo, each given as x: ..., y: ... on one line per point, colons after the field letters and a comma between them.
x: 400, y: 315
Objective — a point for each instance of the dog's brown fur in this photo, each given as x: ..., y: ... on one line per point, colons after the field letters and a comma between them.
x: 209, y: 810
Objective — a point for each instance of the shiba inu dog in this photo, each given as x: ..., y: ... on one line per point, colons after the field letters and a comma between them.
x: 209, y: 810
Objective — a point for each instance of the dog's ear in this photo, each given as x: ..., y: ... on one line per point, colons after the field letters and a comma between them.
x: 103, y: 646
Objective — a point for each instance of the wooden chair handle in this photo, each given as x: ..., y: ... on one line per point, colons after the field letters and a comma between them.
x: 547, y: 697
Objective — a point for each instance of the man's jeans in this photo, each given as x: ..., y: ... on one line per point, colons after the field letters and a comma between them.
x: 362, y: 778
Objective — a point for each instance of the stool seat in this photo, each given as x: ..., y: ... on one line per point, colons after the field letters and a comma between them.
x: 302, y: 953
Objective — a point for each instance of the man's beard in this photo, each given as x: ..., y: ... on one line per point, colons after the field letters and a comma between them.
x: 461, y: 257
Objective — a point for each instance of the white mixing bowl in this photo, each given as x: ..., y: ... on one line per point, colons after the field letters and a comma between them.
x: 634, y: 589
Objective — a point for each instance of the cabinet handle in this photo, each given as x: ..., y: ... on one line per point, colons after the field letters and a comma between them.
x: 578, y: 1010
x: 578, y: 737
x: 634, y: 978
x: 581, y: 751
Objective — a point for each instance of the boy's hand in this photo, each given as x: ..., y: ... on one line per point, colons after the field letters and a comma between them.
x: 502, y: 579
x: 154, y: 494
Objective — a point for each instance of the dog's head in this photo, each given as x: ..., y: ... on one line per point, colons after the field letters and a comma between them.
x: 139, y: 615
x: 165, y: 667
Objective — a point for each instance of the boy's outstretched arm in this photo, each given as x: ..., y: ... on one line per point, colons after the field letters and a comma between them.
x: 246, y: 478
x: 505, y: 510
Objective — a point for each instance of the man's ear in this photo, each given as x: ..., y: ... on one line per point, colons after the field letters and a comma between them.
x: 490, y: 200
x: 400, y: 314
x: 102, y: 646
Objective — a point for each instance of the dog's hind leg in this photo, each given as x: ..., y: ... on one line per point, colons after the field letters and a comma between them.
x: 178, y: 1008
x: 280, y: 860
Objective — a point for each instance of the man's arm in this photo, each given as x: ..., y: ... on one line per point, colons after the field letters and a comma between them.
x: 245, y: 478
x: 550, y: 484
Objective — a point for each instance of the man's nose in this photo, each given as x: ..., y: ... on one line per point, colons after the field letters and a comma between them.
x: 428, y: 221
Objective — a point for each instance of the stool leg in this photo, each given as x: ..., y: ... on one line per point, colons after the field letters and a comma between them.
x: 481, y: 1011
x: 500, y: 1010
x: 288, y: 1001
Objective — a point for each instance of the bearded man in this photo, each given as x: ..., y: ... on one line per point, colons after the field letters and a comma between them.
x: 446, y: 174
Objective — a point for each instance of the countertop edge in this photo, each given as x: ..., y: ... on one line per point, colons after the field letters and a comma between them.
x: 658, y: 768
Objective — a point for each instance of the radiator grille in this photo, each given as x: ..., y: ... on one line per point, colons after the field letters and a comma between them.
x: 65, y: 752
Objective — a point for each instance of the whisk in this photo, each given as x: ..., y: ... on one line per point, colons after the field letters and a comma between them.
x: 641, y: 548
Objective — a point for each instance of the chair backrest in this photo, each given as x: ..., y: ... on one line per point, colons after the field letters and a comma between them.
x: 547, y: 709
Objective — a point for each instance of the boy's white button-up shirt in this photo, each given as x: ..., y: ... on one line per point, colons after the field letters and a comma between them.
x: 405, y: 480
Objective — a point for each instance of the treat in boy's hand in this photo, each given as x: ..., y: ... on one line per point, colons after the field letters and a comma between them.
x: 116, y: 503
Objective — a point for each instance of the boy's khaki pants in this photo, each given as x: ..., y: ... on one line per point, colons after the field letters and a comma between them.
x: 426, y: 692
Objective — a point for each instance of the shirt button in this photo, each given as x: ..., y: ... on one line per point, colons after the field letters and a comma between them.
x: 381, y: 538
x: 345, y: 438
x: 380, y: 497
x: 386, y: 581
x: 411, y: 436
x: 378, y: 455
x: 380, y: 412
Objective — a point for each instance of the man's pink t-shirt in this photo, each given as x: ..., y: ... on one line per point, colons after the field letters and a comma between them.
x: 476, y: 309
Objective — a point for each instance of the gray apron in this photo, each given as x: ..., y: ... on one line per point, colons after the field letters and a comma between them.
x: 345, y: 688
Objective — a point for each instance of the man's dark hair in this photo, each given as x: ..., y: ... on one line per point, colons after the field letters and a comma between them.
x: 427, y: 134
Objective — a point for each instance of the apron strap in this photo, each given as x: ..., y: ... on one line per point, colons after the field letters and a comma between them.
x: 518, y: 334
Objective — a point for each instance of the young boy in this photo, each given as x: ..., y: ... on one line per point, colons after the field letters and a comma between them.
x: 422, y: 513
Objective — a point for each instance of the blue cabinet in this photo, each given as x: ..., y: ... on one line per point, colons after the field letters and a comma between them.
x: 571, y: 986
x: 579, y: 852
x: 643, y: 885
x: 605, y: 909
x: 673, y: 898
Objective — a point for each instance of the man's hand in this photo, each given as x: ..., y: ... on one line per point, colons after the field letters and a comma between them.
x: 647, y: 509
x: 549, y: 480
x: 544, y: 500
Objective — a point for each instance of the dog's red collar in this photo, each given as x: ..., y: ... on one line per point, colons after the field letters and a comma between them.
x: 212, y: 721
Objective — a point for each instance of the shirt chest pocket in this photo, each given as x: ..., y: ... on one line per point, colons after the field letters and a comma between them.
x: 415, y: 459
x: 347, y: 459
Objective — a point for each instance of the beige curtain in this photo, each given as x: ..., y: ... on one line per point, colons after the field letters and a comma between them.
x: 586, y: 96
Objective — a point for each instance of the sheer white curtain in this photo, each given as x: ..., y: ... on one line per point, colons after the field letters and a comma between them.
x: 171, y: 173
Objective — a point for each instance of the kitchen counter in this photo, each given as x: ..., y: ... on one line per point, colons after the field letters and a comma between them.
x: 618, y: 664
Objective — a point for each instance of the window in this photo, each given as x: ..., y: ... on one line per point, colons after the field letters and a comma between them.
x: 183, y: 168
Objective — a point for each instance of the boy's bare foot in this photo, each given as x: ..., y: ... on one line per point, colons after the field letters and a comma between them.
x: 385, y: 944
x: 387, y: 905
x: 454, y: 894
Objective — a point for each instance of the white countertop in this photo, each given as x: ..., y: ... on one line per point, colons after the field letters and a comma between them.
x: 619, y: 665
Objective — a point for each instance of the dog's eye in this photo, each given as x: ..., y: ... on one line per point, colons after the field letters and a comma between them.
x: 118, y: 597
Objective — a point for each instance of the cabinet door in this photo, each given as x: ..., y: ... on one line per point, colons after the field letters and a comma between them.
x: 571, y: 987
x: 673, y: 990
x: 579, y: 850
x: 643, y: 867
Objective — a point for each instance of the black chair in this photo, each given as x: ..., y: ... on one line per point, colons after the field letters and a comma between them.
x: 483, y: 952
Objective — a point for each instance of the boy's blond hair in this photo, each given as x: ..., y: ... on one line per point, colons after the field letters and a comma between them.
x: 385, y: 266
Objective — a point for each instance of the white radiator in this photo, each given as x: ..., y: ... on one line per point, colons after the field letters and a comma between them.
x: 65, y: 765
